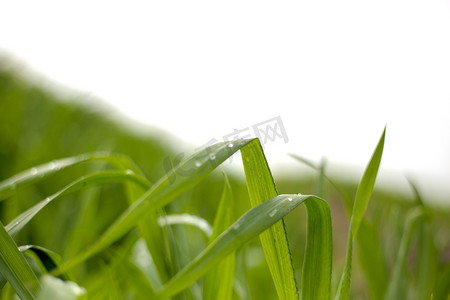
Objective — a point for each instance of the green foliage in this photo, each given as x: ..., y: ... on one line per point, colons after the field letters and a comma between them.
x: 132, y: 226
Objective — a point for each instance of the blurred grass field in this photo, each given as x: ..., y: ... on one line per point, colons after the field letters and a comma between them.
x: 37, y: 126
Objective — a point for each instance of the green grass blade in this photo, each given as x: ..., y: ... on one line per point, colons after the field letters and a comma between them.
x: 218, y: 282
x: 261, y: 187
x: 10, y: 185
x: 371, y: 260
x: 363, y: 194
x: 181, y: 179
x: 15, y: 268
x: 84, y: 182
x: 186, y: 219
x: 343, y: 292
x: 317, y: 265
x: 427, y: 257
x: 366, y: 185
x: 251, y: 224
x: 148, y: 226
x: 46, y: 259
x: 397, y: 287
x: 369, y: 254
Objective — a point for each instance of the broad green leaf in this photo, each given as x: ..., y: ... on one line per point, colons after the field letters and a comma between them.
x: 55, y: 289
x: 363, y: 194
x: 15, y: 268
x: 317, y: 265
x: 181, y: 179
x: 261, y: 187
x: 251, y: 224
x: 218, y: 282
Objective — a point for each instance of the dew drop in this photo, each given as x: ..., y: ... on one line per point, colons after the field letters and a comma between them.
x: 290, y: 199
x: 236, y: 226
x: 52, y: 165
x: 299, y: 194
x: 47, y: 199
x: 198, y: 164
x: 212, y: 156
x: 230, y: 145
x: 17, y: 223
x: 129, y: 172
x: 33, y: 171
x: 272, y: 213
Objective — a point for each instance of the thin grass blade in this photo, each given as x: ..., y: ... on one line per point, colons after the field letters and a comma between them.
x: 15, y: 268
x: 363, y: 194
x: 251, y: 224
x: 10, y: 185
x: 218, y: 282
x: 397, y: 285
x: 366, y: 185
x: 84, y: 182
x: 261, y: 187
x: 181, y: 179
x: 317, y: 265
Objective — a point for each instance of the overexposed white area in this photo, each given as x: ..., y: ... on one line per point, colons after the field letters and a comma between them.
x: 334, y: 71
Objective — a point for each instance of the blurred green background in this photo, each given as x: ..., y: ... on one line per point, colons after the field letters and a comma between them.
x: 38, y: 125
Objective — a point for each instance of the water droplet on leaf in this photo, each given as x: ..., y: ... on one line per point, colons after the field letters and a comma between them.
x: 272, y: 213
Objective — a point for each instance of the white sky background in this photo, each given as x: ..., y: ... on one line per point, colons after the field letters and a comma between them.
x: 335, y: 71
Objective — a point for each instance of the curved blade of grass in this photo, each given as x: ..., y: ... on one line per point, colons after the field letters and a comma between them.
x: 261, y: 187
x: 186, y: 219
x: 317, y: 265
x: 348, y: 201
x: 251, y: 224
x: 370, y: 257
x: 15, y: 268
x: 48, y: 260
x: 363, y: 194
x: 148, y: 226
x: 218, y: 282
x: 84, y: 182
x: 181, y: 179
x: 10, y: 185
